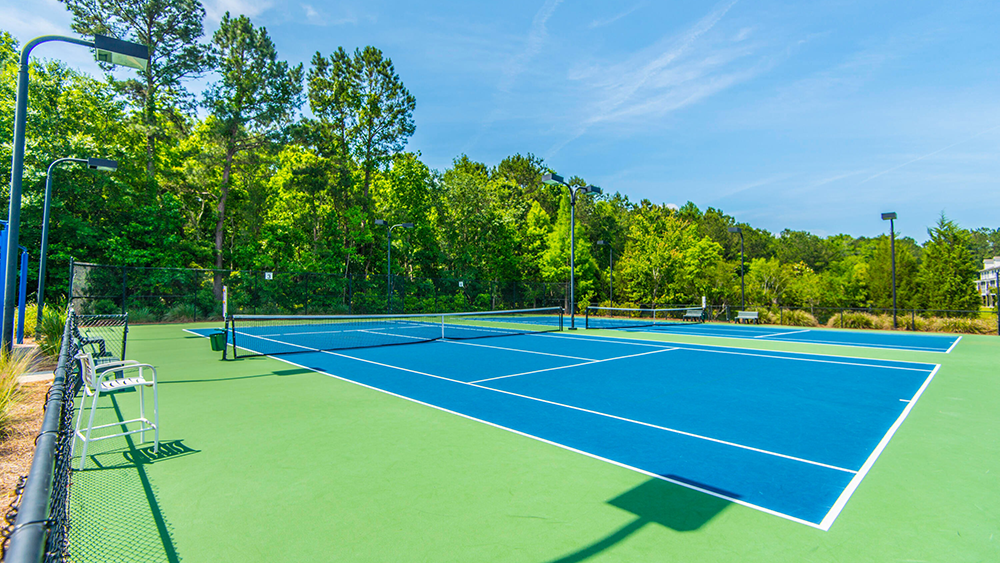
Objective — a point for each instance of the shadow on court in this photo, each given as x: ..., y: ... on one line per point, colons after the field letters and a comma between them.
x: 114, y: 506
x: 655, y: 502
x: 271, y: 373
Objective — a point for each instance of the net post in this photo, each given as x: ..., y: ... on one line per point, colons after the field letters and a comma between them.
x: 225, y: 349
x: 125, y: 335
x: 586, y: 319
x: 561, y: 313
x: 442, y: 327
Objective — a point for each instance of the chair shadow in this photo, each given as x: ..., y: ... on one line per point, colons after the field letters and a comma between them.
x: 114, y: 507
x: 657, y: 502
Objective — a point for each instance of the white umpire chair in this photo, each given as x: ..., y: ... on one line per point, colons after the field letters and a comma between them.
x: 108, y: 378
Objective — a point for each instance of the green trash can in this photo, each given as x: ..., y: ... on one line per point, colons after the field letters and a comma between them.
x: 218, y: 340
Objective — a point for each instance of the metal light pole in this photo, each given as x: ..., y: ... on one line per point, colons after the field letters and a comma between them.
x: 891, y: 217
x: 743, y: 301
x: 557, y: 180
x: 611, y: 270
x: 107, y: 50
x: 388, y: 267
x: 93, y: 164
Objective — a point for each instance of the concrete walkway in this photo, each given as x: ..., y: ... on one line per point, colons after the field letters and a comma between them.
x: 36, y: 376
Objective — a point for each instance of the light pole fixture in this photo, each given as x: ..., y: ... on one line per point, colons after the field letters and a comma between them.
x: 743, y: 298
x: 388, y: 261
x: 106, y: 49
x: 93, y: 164
x: 557, y: 180
x: 611, y: 270
x: 891, y: 218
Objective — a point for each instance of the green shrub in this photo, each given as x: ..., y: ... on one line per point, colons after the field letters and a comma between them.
x: 141, y: 315
x: 182, y: 312
x: 30, y: 316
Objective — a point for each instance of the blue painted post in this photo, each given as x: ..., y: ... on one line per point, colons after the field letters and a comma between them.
x: 22, y: 295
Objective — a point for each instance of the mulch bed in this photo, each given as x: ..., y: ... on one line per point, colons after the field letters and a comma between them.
x: 17, y: 443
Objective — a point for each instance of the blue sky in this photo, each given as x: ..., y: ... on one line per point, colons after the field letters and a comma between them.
x: 804, y: 115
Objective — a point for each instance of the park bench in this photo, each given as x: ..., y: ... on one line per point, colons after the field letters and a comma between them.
x: 747, y: 316
x: 693, y: 315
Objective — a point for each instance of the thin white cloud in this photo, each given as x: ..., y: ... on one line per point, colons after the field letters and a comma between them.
x: 673, y: 73
x: 215, y: 9
x: 601, y: 23
x: 532, y: 44
x: 753, y: 186
x: 320, y: 17
x: 930, y: 154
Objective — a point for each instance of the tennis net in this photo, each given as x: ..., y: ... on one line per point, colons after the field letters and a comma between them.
x: 266, y: 335
x: 623, y: 317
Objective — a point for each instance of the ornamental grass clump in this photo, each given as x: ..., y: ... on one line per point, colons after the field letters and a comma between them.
x: 12, y: 366
x: 798, y: 317
x: 852, y: 319
x: 50, y: 338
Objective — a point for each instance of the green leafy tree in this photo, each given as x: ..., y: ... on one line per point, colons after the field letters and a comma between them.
x: 538, y: 228
x: 555, y: 261
x: 948, y: 270
x: 800, y: 246
x: 880, y: 274
x: 666, y: 260
x: 365, y: 107
x: 252, y: 103
x: 171, y: 30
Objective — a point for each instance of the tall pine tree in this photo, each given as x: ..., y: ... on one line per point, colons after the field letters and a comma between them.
x: 948, y: 271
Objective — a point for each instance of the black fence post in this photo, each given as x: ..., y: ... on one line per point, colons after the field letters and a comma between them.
x: 69, y: 290
x: 307, y: 293
x: 124, y: 287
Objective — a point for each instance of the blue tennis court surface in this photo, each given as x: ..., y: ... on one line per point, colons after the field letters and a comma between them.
x: 862, y: 338
x: 789, y: 434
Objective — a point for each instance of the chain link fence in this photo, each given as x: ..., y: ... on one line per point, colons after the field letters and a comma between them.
x: 182, y: 294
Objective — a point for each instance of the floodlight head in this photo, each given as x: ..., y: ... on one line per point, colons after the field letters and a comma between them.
x: 590, y: 190
x: 601, y: 243
x: 102, y: 164
x: 118, y: 52
x: 553, y: 180
x: 735, y: 230
x: 888, y: 216
x: 380, y: 221
x: 406, y: 225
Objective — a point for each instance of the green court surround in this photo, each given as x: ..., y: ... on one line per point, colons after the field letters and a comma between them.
x: 264, y: 461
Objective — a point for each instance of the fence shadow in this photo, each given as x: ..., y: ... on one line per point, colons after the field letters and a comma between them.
x: 113, y: 504
x: 272, y: 373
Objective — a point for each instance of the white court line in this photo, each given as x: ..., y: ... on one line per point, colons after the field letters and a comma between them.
x: 573, y: 365
x: 517, y: 350
x: 952, y: 347
x: 814, y: 342
x: 782, y: 333
x: 853, y: 485
x: 556, y: 444
x: 761, y: 355
x: 589, y: 411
